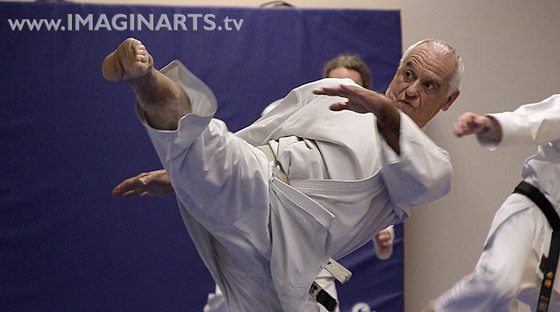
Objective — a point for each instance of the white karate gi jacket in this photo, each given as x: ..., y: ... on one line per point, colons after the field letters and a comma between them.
x: 520, y: 234
x: 264, y: 241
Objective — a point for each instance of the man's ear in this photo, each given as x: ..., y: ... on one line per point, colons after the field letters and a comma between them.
x: 450, y: 100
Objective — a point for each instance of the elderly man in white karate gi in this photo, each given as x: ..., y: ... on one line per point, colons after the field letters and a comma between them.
x: 266, y: 225
x: 509, y: 267
x: 156, y: 183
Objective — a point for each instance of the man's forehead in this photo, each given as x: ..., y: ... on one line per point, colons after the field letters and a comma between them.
x: 432, y: 62
x: 424, y: 72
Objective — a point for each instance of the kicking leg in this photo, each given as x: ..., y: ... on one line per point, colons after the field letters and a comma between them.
x: 161, y: 99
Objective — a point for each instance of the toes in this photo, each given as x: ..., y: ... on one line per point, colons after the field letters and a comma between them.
x: 130, y: 60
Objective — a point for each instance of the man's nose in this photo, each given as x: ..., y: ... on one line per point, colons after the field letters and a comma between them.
x: 413, y: 90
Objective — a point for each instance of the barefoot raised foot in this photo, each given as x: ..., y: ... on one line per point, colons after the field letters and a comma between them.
x: 129, y: 60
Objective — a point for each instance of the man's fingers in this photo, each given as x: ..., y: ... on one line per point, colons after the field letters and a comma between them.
x: 457, y: 130
x: 340, y: 90
x: 467, y: 124
x: 327, y: 91
x: 132, y: 184
x: 119, y: 189
x: 352, y: 93
x: 339, y: 106
x: 384, y: 237
x: 461, y: 128
x: 130, y: 193
x: 142, y: 181
x: 386, y: 243
x: 350, y: 106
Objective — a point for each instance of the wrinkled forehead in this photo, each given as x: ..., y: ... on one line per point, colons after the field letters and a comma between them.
x: 433, y: 60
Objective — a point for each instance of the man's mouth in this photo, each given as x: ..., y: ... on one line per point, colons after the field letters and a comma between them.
x: 405, y: 103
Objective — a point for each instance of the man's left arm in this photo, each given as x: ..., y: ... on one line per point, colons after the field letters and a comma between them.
x: 534, y: 123
x: 363, y: 101
x: 415, y: 170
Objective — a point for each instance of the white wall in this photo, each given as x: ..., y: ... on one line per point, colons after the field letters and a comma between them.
x: 511, y: 50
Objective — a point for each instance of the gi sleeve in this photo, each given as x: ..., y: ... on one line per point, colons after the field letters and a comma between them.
x: 421, y: 173
x: 535, y: 123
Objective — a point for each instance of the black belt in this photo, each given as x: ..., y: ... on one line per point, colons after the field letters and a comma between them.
x: 323, y: 297
x: 548, y: 265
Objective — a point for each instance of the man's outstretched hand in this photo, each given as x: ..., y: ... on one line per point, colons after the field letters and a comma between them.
x: 154, y: 183
x: 363, y: 101
x: 470, y: 123
x: 360, y: 100
x: 485, y: 126
x: 383, y: 243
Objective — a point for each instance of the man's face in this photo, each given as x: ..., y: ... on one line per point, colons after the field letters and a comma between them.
x: 421, y: 85
x: 343, y: 72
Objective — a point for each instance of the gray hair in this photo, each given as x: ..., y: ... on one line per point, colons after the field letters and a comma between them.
x: 446, y: 48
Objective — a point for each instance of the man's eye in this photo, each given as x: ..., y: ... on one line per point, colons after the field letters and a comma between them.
x: 408, y: 74
x: 431, y: 87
